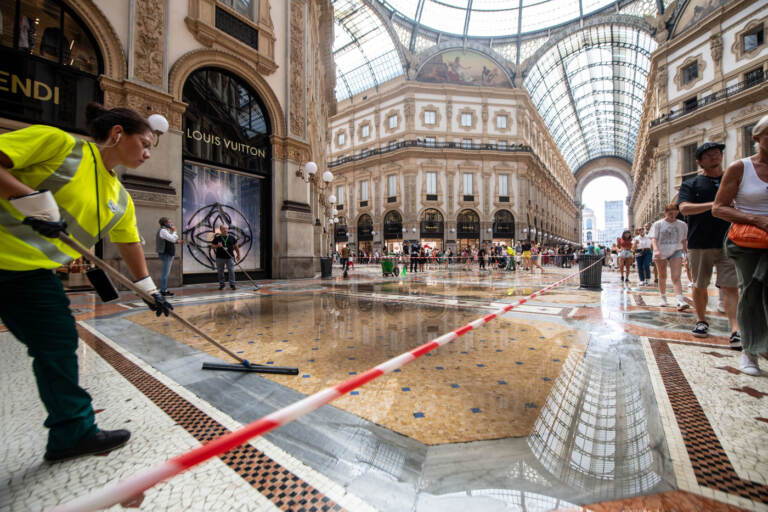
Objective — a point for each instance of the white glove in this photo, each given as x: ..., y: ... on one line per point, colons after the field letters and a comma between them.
x: 146, y: 285
x: 39, y: 205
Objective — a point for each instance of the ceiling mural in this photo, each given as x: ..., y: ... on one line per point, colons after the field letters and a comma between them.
x: 695, y: 11
x: 463, y: 68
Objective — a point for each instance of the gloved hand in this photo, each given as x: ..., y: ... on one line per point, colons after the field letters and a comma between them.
x: 41, y: 213
x: 160, y: 306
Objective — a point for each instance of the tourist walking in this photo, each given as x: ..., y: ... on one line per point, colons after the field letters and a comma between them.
x: 641, y: 244
x: 743, y: 200
x: 669, y: 242
x: 706, y: 235
x: 624, y: 245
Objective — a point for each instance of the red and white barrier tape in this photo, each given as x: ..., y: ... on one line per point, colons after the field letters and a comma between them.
x: 133, y: 486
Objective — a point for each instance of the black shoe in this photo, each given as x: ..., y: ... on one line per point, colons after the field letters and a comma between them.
x: 701, y: 330
x: 166, y: 293
x: 233, y: 287
x: 221, y: 287
x: 101, y: 442
x: 735, y: 340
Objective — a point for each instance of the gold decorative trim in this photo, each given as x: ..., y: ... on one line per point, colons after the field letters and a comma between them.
x: 678, y: 79
x: 195, y: 59
x: 737, y: 48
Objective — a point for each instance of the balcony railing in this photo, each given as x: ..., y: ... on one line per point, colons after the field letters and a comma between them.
x: 510, y: 148
x: 506, y: 148
x: 752, y: 81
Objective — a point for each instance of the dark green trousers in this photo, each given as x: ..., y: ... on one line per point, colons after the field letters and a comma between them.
x: 35, y: 309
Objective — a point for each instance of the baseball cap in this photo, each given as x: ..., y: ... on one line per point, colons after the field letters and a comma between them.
x: 706, y: 146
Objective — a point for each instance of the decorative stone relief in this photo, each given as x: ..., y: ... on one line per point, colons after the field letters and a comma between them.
x: 716, y: 47
x: 678, y: 79
x: 472, y: 125
x: 297, y: 114
x: 662, y: 76
x: 737, y: 48
x: 148, y: 53
x: 430, y: 108
x: 409, y: 107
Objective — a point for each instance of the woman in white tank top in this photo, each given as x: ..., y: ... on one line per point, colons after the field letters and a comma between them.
x: 743, y: 198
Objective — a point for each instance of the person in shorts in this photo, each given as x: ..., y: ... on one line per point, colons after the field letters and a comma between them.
x: 706, y: 235
x: 669, y: 242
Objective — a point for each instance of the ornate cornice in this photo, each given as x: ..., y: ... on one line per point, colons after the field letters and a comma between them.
x: 200, y: 22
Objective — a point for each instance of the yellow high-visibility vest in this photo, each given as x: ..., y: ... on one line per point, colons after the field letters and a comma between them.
x: 48, y: 158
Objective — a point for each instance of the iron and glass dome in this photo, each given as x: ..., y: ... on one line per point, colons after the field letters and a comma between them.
x: 585, y: 63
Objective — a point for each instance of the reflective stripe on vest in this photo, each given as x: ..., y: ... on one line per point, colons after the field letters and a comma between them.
x: 33, y: 238
x: 55, y: 182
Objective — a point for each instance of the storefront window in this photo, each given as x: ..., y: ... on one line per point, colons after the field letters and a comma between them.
x: 49, y: 64
x: 226, y: 122
x: 49, y: 30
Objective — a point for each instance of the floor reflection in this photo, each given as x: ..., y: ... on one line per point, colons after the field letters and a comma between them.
x: 488, y: 384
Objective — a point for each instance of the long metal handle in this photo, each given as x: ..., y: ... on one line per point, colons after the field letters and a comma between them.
x: 106, y: 267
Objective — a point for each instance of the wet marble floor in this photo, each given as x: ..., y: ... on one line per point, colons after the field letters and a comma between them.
x: 595, y: 399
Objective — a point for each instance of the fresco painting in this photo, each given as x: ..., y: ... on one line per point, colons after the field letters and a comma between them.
x: 695, y: 11
x: 463, y: 68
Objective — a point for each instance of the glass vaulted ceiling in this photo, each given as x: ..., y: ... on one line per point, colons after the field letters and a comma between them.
x: 493, y: 18
x: 363, y: 51
x: 589, y: 88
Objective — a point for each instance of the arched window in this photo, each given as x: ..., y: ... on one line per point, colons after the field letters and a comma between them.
x: 226, y: 122
x: 364, y: 228
x: 393, y: 225
x: 468, y: 224
x: 503, y: 224
x: 432, y: 224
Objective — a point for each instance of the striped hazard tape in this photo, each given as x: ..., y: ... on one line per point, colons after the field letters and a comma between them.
x: 135, y: 485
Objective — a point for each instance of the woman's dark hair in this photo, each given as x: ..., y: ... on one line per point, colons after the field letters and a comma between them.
x: 100, y: 121
x: 626, y: 232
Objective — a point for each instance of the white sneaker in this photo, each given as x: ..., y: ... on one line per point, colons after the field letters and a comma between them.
x: 749, y: 364
x: 682, y: 305
x: 663, y: 301
x: 720, y: 307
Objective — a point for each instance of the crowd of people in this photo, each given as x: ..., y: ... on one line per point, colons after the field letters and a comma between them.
x: 526, y: 255
x: 719, y: 222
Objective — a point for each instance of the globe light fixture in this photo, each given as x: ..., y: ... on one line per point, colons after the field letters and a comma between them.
x: 306, y: 172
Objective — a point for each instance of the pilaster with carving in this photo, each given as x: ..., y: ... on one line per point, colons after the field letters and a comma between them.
x: 716, y: 47
x: 409, y: 106
x: 148, y: 41
x: 297, y: 114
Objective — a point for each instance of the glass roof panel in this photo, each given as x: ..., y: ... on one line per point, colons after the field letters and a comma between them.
x: 363, y: 51
x: 541, y: 14
x: 590, y: 93
x: 492, y: 22
x: 444, y: 17
x: 495, y: 18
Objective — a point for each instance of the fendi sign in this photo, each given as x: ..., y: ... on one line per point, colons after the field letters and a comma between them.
x: 36, y: 90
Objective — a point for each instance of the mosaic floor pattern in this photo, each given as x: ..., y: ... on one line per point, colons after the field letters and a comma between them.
x: 601, y: 400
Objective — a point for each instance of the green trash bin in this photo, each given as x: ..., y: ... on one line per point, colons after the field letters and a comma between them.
x: 387, y: 267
